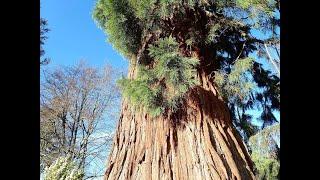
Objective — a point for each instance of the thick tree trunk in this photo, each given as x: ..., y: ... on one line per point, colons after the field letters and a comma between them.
x: 198, y: 143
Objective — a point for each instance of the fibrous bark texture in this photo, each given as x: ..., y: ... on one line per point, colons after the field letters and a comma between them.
x: 198, y: 142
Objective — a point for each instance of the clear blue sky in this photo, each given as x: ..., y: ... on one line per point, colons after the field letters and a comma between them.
x: 74, y: 35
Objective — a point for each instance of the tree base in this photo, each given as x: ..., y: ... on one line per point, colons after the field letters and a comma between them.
x: 199, y: 142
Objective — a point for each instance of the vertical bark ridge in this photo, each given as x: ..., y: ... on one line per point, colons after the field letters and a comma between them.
x: 200, y: 144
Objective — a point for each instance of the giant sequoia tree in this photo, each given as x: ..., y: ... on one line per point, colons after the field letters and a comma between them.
x: 190, y: 74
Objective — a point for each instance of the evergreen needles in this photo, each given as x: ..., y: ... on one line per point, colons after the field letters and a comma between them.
x: 162, y: 87
x: 235, y: 86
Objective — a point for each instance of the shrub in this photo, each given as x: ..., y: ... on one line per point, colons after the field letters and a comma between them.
x: 63, y: 169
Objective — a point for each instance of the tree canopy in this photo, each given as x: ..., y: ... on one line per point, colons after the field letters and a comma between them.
x: 172, y: 40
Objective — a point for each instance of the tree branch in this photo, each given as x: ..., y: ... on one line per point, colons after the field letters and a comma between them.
x: 271, y: 60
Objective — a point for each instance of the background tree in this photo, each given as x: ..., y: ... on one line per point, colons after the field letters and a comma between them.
x: 43, y: 37
x: 265, y: 147
x: 264, y: 18
x: 74, y: 102
x: 190, y: 80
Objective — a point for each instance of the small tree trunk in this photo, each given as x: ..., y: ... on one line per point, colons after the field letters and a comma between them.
x: 199, y: 142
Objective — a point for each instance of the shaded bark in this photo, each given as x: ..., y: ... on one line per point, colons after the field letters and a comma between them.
x: 198, y: 142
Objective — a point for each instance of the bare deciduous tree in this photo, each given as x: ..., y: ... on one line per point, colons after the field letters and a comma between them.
x: 72, y: 109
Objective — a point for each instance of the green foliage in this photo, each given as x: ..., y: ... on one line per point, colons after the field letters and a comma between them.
x: 267, y: 168
x: 267, y: 6
x: 262, y: 12
x: 235, y: 86
x: 141, y: 95
x: 265, y: 143
x: 266, y: 151
x: 269, y: 96
x: 163, y: 86
x: 244, y: 123
x: 120, y: 23
x: 43, y: 37
x: 213, y: 32
x: 142, y: 7
x: 126, y: 21
x: 164, y: 8
x: 63, y: 168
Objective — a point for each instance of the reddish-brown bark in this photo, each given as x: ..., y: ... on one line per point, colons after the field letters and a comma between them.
x: 199, y: 142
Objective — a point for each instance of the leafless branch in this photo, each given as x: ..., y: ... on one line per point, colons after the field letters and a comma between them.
x: 73, y: 103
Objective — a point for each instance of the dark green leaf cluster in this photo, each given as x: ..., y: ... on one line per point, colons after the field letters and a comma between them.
x: 265, y: 97
x: 125, y: 21
x: 235, y: 86
x: 162, y: 87
x: 269, y: 96
x: 243, y: 121
x: 262, y: 6
x: 43, y: 37
x: 121, y: 25
x: 238, y: 88
x: 141, y: 95
x: 261, y: 12
x: 141, y: 8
